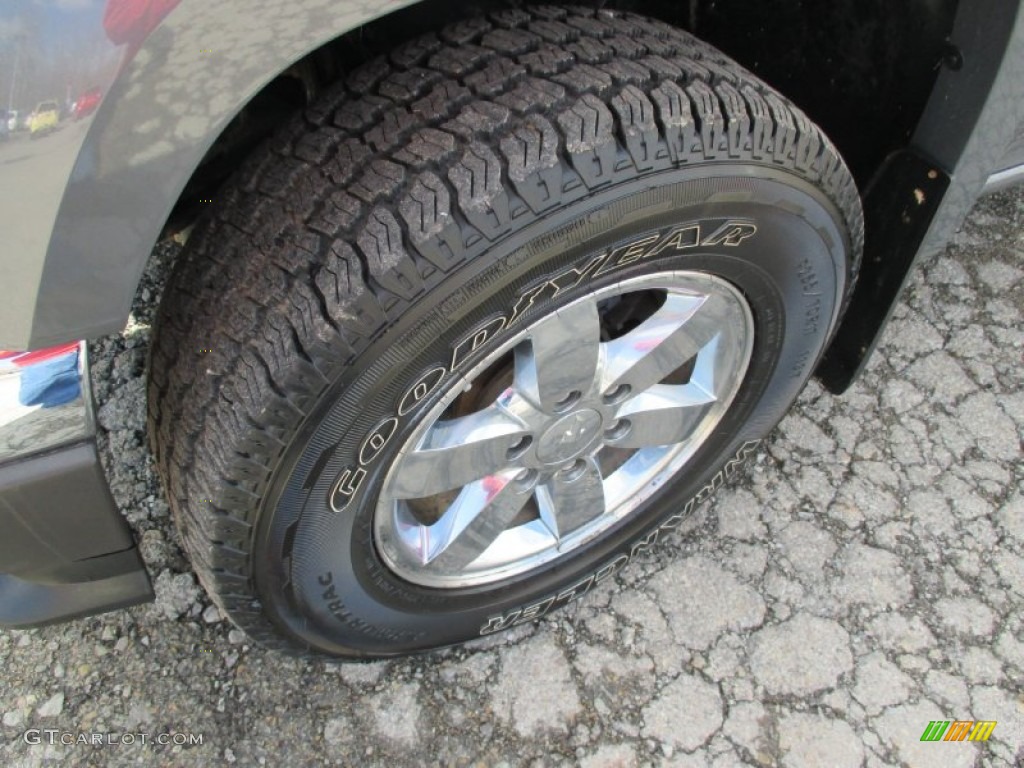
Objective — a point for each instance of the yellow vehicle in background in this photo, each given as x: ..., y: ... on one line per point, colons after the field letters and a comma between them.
x: 44, y: 119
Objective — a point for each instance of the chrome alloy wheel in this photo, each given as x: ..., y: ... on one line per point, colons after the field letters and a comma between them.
x: 570, y: 426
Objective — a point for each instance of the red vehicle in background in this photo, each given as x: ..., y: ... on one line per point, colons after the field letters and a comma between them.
x: 86, y: 104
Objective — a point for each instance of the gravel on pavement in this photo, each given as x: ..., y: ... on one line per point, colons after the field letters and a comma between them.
x: 862, y: 577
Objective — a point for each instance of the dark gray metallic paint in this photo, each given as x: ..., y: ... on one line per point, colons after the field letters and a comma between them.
x: 65, y: 550
x: 974, y: 113
x: 104, y: 187
x: 1014, y: 156
x: 31, y: 603
x: 37, y: 532
x: 107, y: 185
x: 971, y: 117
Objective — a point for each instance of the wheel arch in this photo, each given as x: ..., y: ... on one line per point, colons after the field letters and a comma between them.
x: 87, y: 296
x: 163, y: 110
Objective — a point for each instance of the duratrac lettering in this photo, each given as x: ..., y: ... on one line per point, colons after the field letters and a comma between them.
x: 338, y: 610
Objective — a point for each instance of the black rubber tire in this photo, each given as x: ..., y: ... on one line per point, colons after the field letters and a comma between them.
x: 405, y: 208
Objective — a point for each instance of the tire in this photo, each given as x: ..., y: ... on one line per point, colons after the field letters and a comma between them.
x: 390, y: 248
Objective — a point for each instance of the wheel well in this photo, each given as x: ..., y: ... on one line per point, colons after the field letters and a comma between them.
x: 861, y: 69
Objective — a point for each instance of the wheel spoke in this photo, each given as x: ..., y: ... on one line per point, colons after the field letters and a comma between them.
x: 560, y: 356
x: 668, y: 413
x: 674, y: 334
x: 457, y: 452
x: 523, y: 480
x: 663, y: 415
x: 567, y: 502
x: 480, y: 513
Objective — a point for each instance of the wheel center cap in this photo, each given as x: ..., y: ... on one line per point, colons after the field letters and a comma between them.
x: 569, y: 436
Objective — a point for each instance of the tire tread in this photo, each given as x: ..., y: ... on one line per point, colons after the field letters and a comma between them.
x: 403, y: 171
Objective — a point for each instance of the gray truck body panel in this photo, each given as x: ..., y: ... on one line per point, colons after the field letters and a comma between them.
x: 81, y: 208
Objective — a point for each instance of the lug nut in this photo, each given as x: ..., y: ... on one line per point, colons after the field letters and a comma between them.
x: 573, y: 471
x: 519, y: 447
x: 568, y: 401
x: 526, y: 479
x: 618, y: 394
x: 618, y: 430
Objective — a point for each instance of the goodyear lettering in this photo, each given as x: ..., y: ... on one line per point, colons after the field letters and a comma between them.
x: 424, y: 385
x: 374, y: 442
x: 679, y: 240
x: 527, y: 300
x: 611, y: 568
x: 552, y: 287
x: 345, y: 487
x: 475, y: 340
x: 729, y: 233
x: 626, y: 254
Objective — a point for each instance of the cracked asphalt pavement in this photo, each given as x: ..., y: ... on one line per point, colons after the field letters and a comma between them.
x: 863, y: 576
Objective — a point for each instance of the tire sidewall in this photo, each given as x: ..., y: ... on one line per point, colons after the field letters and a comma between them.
x: 315, y: 564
